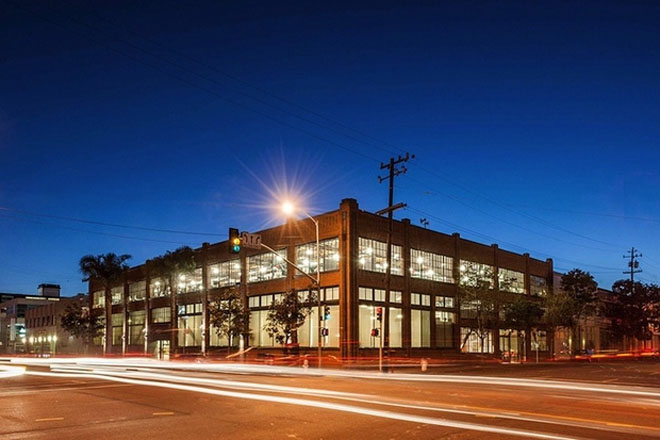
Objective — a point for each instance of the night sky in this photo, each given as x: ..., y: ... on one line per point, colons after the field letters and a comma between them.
x: 534, y: 124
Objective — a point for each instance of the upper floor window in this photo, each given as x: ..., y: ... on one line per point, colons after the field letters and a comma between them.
x: 430, y: 266
x: 116, y: 294
x: 227, y: 273
x: 306, y: 255
x: 158, y: 288
x: 373, y: 256
x: 264, y: 267
x: 511, y: 280
x: 445, y: 302
x: 420, y: 299
x: 538, y: 285
x: 137, y: 290
x: 190, y: 282
x: 472, y: 273
x: 98, y: 299
x: 263, y: 301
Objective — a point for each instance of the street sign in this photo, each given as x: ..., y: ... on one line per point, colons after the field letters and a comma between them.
x: 252, y: 241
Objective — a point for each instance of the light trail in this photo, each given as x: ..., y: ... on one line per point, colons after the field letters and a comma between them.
x: 7, y: 371
x: 297, y: 371
x: 368, y: 399
x: 317, y: 404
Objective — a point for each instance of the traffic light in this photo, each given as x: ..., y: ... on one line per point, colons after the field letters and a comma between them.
x: 379, y: 313
x: 324, y: 331
x: 326, y: 313
x: 374, y: 332
x: 234, y: 241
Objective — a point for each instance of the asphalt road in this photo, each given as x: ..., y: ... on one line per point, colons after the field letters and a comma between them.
x: 140, y: 402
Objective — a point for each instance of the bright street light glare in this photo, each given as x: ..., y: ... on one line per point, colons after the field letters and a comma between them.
x: 288, y: 208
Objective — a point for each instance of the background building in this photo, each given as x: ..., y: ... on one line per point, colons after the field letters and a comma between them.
x: 422, y: 314
x: 13, y: 309
x: 44, y: 331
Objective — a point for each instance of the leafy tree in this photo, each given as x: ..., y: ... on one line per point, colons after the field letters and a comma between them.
x: 581, y: 288
x: 107, y: 269
x: 479, y: 302
x: 559, y: 310
x: 80, y: 323
x: 168, y: 267
x: 522, y: 315
x: 287, y: 314
x: 228, y: 316
x: 634, y: 313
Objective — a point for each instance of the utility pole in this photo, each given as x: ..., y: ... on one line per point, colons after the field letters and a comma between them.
x: 393, y: 171
x: 633, y: 266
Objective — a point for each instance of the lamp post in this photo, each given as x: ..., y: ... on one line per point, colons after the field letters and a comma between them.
x: 289, y: 209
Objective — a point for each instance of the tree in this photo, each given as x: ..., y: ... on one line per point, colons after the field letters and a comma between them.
x: 228, y: 316
x: 287, y: 314
x: 106, y: 269
x: 80, y: 323
x: 521, y: 315
x: 634, y: 313
x: 168, y: 267
x: 479, y: 302
x: 581, y: 288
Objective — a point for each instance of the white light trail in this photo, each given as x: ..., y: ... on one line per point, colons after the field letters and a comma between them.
x: 7, y: 371
x: 318, y: 404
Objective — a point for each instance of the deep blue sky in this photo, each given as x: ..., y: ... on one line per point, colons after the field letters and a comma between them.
x: 535, y: 124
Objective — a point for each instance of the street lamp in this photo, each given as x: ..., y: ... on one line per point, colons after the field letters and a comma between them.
x: 288, y: 208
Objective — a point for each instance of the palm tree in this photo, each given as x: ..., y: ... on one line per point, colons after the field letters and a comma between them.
x: 168, y: 268
x: 107, y: 269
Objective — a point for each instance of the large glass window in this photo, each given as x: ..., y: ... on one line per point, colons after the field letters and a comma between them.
x: 190, y: 325
x: 430, y: 266
x: 191, y: 282
x: 444, y: 302
x: 373, y: 256
x: 136, y: 326
x: 472, y: 273
x: 511, y: 280
x: 157, y: 288
x: 117, y: 321
x: 538, y: 286
x: 420, y: 299
x: 160, y: 314
x: 258, y: 336
x: 98, y: 299
x: 306, y: 256
x: 472, y: 343
x: 137, y: 291
x: 308, y: 332
x: 116, y: 294
x: 368, y: 321
x: 444, y: 329
x: 227, y: 273
x: 420, y: 323
x: 264, y: 267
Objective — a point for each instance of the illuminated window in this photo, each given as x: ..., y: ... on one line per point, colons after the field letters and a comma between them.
x: 98, y: 299
x: 373, y: 256
x: 306, y: 256
x: 444, y: 329
x: 158, y: 288
x: 136, y: 327
x: 327, y: 294
x: 511, y: 280
x: 368, y: 321
x: 264, y: 267
x: 471, y: 342
x: 472, y: 273
x: 420, y: 326
x: 160, y: 314
x: 420, y: 299
x: 116, y: 294
x: 308, y: 332
x: 227, y: 273
x: 190, y: 325
x: 117, y: 322
x: 191, y: 282
x: 538, y: 286
x: 430, y: 266
x: 137, y: 290
x: 445, y: 302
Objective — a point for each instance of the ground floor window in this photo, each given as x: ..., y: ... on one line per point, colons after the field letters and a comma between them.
x: 258, y: 336
x: 368, y: 321
x: 420, y: 323
x: 136, y: 327
x: 444, y: 329
x: 308, y: 332
x: 190, y: 325
x: 474, y: 342
x: 117, y: 321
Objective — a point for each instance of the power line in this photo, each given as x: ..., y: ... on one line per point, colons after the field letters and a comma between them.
x: 114, y: 225
x: 596, y: 214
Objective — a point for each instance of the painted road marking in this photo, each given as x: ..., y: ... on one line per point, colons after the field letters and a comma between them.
x: 49, y: 419
x: 163, y: 413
